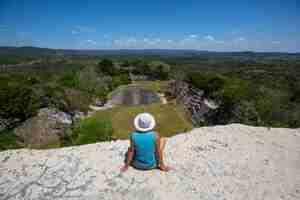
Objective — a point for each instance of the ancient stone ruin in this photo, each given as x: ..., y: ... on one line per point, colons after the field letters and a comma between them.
x: 194, y: 100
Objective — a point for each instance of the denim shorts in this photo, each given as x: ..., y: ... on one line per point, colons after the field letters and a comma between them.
x: 139, y: 165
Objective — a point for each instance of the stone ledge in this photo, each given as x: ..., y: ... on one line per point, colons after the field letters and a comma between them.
x: 220, y: 162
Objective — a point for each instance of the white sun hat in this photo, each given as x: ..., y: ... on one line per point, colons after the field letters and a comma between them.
x: 144, y: 122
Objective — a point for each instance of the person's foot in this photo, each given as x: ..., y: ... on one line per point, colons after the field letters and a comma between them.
x: 124, y: 168
x: 165, y: 168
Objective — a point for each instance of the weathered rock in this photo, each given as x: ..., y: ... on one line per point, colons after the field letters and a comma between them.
x: 53, y: 114
x: 214, y: 163
x: 44, y: 129
x: 3, y: 124
x: 200, y: 107
x: 210, y: 103
x: 7, y: 123
x: 77, y: 115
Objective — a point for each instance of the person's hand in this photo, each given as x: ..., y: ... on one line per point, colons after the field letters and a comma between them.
x: 164, y: 168
x: 124, y: 168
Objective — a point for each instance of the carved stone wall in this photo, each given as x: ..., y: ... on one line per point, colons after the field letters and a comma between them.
x: 193, y: 99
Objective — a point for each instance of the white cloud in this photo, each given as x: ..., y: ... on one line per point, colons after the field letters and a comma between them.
x: 126, y: 42
x: 193, y: 36
x: 236, y: 32
x: 239, y: 39
x: 106, y: 36
x: 131, y: 40
x: 276, y: 42
x: 85, y: 29
x: 188, y: 40
x: 23, y: 38
x: 91, y: 42
x: 151, y: 41
x: 82, y: 29
x: 220, y: 41
x: 185, y: 41
x: 87, y: 44
x: 156, y: 40
x: 74, y: 32
x: 146, y: 42
x: 209, y: 37
x: 214, y: 40
x: 116, y: 42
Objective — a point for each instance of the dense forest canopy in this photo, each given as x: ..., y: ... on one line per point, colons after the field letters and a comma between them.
x: 261, y: 89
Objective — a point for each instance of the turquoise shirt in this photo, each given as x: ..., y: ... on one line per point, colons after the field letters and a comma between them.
x: 145, y: 150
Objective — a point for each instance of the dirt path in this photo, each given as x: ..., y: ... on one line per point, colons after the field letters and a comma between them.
x: 162, y: 98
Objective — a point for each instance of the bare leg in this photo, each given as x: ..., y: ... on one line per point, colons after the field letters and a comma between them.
x: 161, y: 152
x: 162, y: 144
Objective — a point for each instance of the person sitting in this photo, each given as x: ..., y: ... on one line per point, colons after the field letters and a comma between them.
x: 146, y: 146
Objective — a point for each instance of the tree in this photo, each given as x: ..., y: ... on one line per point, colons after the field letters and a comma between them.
x: 93, y: 84
x: 106, y: 66
x: 19, y: 102
x: 159, y: 69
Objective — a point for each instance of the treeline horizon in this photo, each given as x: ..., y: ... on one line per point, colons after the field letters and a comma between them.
x: 259, y: 91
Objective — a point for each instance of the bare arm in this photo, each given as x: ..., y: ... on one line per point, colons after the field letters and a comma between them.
x: 130, y: 153
x: 158, y: 151
x: 129, y: 158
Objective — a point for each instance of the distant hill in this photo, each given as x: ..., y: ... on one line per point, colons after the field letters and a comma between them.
x: 38, y: 52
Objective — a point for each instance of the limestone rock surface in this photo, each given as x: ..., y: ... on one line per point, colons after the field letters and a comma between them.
x: 44, y: 129
x: 214, y: 163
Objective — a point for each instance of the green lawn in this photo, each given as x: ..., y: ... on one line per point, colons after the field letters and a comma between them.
x: 155, y: 86
x: 8, y: 140
x: 170, y: 119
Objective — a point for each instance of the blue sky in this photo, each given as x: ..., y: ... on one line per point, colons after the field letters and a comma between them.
x: 231, y: 25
